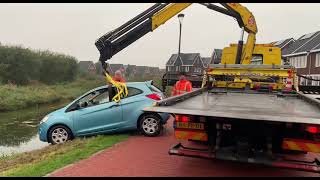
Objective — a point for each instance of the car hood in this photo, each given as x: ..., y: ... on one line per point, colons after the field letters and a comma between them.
x: 58, y: 111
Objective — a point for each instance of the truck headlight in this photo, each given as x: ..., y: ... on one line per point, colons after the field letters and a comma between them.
x: 44, y: 119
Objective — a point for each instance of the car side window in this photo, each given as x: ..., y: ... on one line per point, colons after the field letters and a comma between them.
x: 96, y: 97
x: 133, y: 91
x: 87, y: 97
x: 103, y: 97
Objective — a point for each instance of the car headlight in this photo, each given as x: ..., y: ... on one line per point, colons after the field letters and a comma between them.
x: 44, y: 119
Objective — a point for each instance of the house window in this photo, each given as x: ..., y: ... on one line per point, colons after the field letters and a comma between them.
x: 198, y: 70
x: 187, y: 69
x: 177, y: 68
x: 168, y: 68
x: 316, y: 77
x: 302, y: 81
x: 299, y: 61
x: 317, y: 60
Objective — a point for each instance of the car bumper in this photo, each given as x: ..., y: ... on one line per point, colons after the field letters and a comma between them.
x: 42, y: 132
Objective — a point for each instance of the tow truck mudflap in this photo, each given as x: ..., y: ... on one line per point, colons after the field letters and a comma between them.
x: 309, y: 166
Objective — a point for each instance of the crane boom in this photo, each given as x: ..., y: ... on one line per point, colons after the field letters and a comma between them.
x: 149, y: 20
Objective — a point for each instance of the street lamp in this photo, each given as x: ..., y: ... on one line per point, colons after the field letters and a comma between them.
x: 180, y: 17
x: 309, y: 66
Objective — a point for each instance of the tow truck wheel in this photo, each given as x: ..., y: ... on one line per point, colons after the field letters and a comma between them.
x: 150, y: 125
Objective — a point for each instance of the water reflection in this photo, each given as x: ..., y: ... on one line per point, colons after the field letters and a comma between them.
x: 18, y: 129
x: 33, y: 144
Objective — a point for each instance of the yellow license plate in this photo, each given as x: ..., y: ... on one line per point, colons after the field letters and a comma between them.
x: 190, y: 125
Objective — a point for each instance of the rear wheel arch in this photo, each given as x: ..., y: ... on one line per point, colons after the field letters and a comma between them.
x: 144, y: 114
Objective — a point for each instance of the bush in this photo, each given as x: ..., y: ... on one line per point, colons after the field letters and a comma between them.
x: 57, y: 68
x: 22, y: 65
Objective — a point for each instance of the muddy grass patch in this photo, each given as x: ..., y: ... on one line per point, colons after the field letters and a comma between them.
x: 44, y: 161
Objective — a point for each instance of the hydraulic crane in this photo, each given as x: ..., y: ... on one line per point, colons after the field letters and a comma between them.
x: 245, y: 124
x: 149, y: 20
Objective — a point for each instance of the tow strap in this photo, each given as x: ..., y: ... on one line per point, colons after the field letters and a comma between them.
x: 122, y: 90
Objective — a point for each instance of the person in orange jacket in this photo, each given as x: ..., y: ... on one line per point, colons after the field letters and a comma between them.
x: 118, y: 77
x: 181, y: 86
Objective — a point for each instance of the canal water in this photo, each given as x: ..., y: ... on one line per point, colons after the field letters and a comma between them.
x: 18, y: 129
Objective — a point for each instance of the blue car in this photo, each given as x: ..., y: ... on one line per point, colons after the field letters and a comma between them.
x: 95, y: 113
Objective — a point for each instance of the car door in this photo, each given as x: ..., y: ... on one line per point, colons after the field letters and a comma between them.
x: 100, y: 115
x: 132, y: 106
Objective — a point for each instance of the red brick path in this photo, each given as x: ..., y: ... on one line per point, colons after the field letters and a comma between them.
x: 147, y: 156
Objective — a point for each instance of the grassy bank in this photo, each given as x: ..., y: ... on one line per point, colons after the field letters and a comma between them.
x: 44, y: 161
x: 14, y: 98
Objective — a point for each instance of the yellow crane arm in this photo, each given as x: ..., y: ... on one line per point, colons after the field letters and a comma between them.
x: 118, y: 39
x: 167, y: 13
x: 250, y: 26
x: 147, y: 21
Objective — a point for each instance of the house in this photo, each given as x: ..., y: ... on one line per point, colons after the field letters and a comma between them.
x: 87, y: 66
x: 206, y: 61
x: 112, y: 68
x: 130, y: 71
x: 142, y: 70
x: 216, y: 56
x: 186, y: 62
x: 189, y: 63
x: 155, y: 70
x: 304, y: 55
x: 162, y: 71
x: 283, y: 44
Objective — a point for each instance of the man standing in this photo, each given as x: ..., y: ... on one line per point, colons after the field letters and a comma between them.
x: 181, y: 86
x: 118, y: 77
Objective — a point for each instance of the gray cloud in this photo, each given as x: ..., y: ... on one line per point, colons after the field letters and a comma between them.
x: 73, y: 28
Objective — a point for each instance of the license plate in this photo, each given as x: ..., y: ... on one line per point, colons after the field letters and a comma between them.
x: 190, y: 125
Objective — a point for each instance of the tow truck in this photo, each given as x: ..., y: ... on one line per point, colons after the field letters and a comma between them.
x: 249, y: 108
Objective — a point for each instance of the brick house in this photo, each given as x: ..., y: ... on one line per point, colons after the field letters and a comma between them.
x: 131, y: 71
x: 206, y: 61
x: 216, y: 56
x: 304, y: 55
x: 186, y: 62
x: 87, y: 66
x: 112, y: 68
x: 283, y: 45
x: 191, y: 64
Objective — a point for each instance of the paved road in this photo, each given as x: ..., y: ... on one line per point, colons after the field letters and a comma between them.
x: 145, y: 156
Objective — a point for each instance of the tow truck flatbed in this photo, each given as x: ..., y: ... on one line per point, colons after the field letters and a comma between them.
x: 293, y: 108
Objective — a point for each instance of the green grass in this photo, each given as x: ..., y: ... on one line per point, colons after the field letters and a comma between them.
x: 19, y: 97
x: 42, y: 162
x: 14, y: 98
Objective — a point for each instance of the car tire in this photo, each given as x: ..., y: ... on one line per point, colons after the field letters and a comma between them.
x: 59, y: 134
x: 150, y: 125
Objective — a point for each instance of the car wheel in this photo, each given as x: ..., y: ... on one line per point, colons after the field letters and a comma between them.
x: 150, y: 125
x: 59, y: 134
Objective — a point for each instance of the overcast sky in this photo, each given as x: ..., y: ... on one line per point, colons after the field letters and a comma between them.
x: 73, y: 28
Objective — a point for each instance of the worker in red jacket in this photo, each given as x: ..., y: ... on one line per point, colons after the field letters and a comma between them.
x: 181, y: 86
x: 118, y: 77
